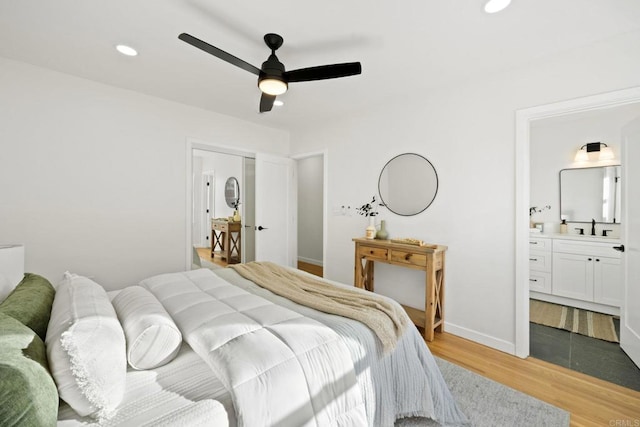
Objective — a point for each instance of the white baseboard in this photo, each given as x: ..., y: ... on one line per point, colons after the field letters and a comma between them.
x: 480, y: 338
x: 310, y: 261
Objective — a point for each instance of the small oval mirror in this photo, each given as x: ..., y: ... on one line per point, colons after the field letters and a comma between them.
x: 232, y: 192
x: 408, y: 184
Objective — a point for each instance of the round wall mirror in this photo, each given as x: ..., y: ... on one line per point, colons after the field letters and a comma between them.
x: 408, y: 184
x: 232, y: 192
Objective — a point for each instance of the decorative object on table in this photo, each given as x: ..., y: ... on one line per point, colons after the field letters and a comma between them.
x: 382, y: 234
x: 369, y: 210
x: 533, y: 210
x: 236, y: 211
x: 411, y: 241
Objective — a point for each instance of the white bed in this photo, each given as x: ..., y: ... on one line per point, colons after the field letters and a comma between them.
x: 250, y: 357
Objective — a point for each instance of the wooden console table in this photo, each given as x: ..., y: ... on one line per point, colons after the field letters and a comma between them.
x: 429, y: 258
x: 226, y: 235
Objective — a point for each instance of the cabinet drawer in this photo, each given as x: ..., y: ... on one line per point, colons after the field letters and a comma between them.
x: 540, y: 261
x: 409, y: 258
x: 540, y: 282
x: 373, y: 252
x: 586, y: 248
x: 539, y: 244
x: 219, y: 227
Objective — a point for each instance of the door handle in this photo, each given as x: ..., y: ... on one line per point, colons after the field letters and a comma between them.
x: 260, y: 228
x: 619, y: 248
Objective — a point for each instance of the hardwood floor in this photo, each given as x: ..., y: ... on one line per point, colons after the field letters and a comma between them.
x: 311, y: 268
x: 205, y: 253
x: 591, y: 401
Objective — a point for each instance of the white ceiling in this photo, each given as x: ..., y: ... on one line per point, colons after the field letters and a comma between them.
x: 404, y: 46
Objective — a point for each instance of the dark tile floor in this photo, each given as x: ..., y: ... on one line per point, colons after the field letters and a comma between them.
x: 591, y: 356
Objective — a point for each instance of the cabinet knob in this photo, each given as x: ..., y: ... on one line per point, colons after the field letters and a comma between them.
x: 407, y: 257
x: 533, y: 280
x: 589, y: 259
x: 597, y: 259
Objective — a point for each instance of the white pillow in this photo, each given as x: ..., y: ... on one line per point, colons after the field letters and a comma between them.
x: 86, y: 348
x: 153, y: 339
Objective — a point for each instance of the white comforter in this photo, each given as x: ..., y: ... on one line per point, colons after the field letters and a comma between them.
x: 281, y: 367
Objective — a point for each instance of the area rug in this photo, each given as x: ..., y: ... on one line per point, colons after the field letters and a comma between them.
x: 489, y: 403
x: 583, y: 322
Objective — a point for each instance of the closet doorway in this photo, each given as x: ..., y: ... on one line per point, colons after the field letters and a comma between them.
x: 310, y: 172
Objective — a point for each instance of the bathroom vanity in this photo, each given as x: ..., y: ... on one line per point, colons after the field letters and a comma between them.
x: 578, y: 271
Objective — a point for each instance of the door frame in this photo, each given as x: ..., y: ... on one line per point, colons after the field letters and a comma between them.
x: 524, y: 118
x: 325, y: 185
x: 197, y: 144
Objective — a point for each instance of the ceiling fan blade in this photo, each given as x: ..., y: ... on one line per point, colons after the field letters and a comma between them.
x: 323, y: 72
x: 266, y: 102
x: 219, y: 53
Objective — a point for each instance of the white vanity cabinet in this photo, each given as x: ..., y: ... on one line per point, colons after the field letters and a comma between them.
x: 578, y: 272
x: 588, y: 271
x: 540, y: 258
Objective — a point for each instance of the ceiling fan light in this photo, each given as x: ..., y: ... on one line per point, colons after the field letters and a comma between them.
x: 493, y: 6
x: 272, y: 86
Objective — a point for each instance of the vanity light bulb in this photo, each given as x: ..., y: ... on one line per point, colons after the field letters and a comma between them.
x: 606, y: 153
x: 582, y: 156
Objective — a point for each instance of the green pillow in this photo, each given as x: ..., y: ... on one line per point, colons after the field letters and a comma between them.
x: 27, y: 391
x: 30, y: 303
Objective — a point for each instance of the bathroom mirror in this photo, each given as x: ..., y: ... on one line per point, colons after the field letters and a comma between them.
x: 232, y: 192
x: 591, y: 193
x: 408, y: 184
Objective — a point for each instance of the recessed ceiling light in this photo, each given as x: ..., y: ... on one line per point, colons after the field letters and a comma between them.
x: 126, y: 50
x: 278, y: 103
x: 494, y: 6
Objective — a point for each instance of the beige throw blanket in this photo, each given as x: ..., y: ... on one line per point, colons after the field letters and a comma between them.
x: 386, y: 319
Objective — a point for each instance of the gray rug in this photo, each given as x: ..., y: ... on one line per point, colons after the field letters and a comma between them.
x: 491, y: 404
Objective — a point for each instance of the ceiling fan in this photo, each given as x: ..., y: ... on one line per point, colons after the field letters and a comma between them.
x: 273, y: 80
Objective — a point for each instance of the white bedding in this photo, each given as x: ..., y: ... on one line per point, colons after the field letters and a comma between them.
x: 404, y: 383
x: 158, y: 396
x: 281, y: 368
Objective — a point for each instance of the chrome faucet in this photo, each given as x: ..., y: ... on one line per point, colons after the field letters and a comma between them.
x: 593, y: 227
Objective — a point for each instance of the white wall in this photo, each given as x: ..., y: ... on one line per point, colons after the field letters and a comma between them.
x: 310, y: 218
x: 554, y: 143
x: 467, y: 132
x: 93, y: 178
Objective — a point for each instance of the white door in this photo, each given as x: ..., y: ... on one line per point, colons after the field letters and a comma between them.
x: 630, y: 311
x: 275, y: 210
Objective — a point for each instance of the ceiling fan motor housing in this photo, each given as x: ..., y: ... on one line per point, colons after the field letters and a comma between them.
x: 272, y: 69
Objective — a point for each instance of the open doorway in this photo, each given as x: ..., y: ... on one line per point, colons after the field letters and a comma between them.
x: 526, y: 121
x: 222, y: 208
x: 310, y: 195
x: 575, y: 297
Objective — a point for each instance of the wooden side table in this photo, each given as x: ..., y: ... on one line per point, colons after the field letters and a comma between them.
x: 429, y: 258
x: 226, y: 235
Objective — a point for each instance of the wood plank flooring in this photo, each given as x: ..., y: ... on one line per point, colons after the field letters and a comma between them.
x: 591, y: 402
x: 311, y: 268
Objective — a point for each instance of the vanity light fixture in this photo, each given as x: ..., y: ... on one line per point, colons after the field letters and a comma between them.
x: 493, y: 6
x: 605, y: 152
